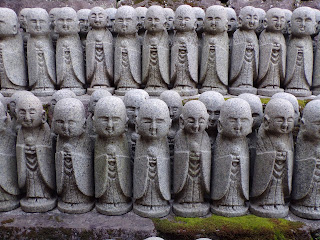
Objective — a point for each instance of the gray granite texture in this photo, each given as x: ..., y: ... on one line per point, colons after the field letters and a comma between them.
x: 200, y: 16
x: 272, y: 174
x: 111, y: 15
x: 261, y: 14
x: 169, y: 24
x: 192, y: 162
x: 83, y: 17
x: 230, y: 176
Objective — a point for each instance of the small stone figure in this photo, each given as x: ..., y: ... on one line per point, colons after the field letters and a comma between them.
x: 151, y: 172
x: 192, y: 162
x: 200, y: 15
x: 127, y: 53
x: 99, y: 52
x: 213, y: 102
x: 170, y: 28
x: 41, y: 57
x: 272, y: 62
x: 306, y: 175
x: 272, y: 175
x: 52, y: 15
x: 141, y: 17
x: 83, y: 17
x: 69, y: 55
x: 74, y: 158
x: 300, y: 53
x: 35, y: 160
x: 232, y: 22
x: 9, y: 189
x: 184, y: 52
x: 155, y: 52
x: 230, y: 177
x: 113, y: 175
x: 111, y: 15
x: 245, y: 53
x: 287, y: 29
x: 261, y: 15
x: 23, y: 26
x: 13, y: 75
x: 215, y: 51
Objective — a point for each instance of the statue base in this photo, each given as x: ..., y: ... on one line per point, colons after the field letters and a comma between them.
x: 219, y: 90
x: 154, y: 91
x: 191, y: 209
x: 269, y: 211
x: 77, y: 91
x: 268, y: 92
x: 305, y: 212
x: 299, y: 92
x: 109, y: 89
x: 9, y: 92
x: 151, y: 212
x: 6, y: 206
x: 114, y: 209
x: 229, y: 211
x: 122, y: 91
x: 242, y: 89
x: 186, y: 91
x: 75, y: 207
x: 38, y: 205
x: 43, y: 92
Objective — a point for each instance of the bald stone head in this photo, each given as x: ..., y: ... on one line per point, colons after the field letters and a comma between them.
x: 174, y: 103
x: 185, y: 19
x: 141, y: 16
x: 256, y: 108
x: 310, y: 121
x: 66, y: 21
x: 111, y: 15
x: 235, y: 118
x: 83, y: 17
x: 98, y: 18
x: 126, y: 20
x: 23, y: 17
x: 169, y: 17
x: 275, y: 20
x: 232, y: 20
x: 261, y: 15
x: 153, y: 120
x: 200, y: 15
x: 52, y: 15
x: 15, y: 97
x: 38, y: 22
x: 96, y: 96
x: 58, y: 95
x: 69, y: 118
x: 155, y: 19
x: 303, y: 22
x: 248, y: 18
x: 216, y: 19
x: 9, y: 22
x: 110, y: 117
x: 287, y: 29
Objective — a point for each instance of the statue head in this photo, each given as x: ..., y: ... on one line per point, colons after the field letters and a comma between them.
x: 66, y: 22
x: 141, y: 16
x: 261, y: 15
x: 278, y: 116
x: 303, y: 22
x: 174, y: 103
x: 83, y: 17
x: 275, y: 20
x: 133, y: 100
x: 248, y: 18
x: 153, y: 120
x: 232, y: 20
x: 169, y: 17
x: 95, y: 97
x: 287, y: 29
x: 52, y: 15
x: 126, y: 20
x: 213, y: 102
x: 58, y: 95
x: 310, y: 121
x: 216, y: 19
x: 111, y: 15
x: 30, y: 113
x: 23, y: 17
x: 38, y: 22
x: 194, y: 117
x: 200, y: 15
x: 14, y: 100
x: 98, y: 18
x: 155, y: 19
x: 235, y: 118
x: 110, y: 117
x: 69, y: 119
x: 256, y: 108
x: 185, y: 19
x: 9, y: 22
x: 293, y: 100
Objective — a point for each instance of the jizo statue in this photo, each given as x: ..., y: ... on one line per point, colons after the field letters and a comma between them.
x: 261, y: 14
x: 111, y: 15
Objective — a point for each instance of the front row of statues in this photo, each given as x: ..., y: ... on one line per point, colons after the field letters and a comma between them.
x: 41, y: 177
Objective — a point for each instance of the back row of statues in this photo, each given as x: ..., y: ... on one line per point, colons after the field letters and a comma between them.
x: 166, y: 55
x: 227, y: 151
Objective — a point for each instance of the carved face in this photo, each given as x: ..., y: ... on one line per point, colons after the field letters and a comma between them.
x: 281, y: 123
x: 8, y: 22
x: 184, y: 19
x: 275, y: 20
x: 98, y: 18
x: 111, y: 15
x: 83, y: 17
x: 232, y: 20
x: 237, y: 124
x: 126, y: 20
x: 248, y: 18
x: 23, y: 17
x: 216, y: 20
x: 141, y: 16
x: 194, y: 117
x: 200, y: 15
x: 133, y: 108
x: 169, y: 17
x: 303, y: 21
x: 29, y: 113
x: 155, y: 20
x: 38, y: 23
x: 66, y: 24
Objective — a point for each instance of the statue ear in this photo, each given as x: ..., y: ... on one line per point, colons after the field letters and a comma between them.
x: 265, y: 24
x: 181, y: 122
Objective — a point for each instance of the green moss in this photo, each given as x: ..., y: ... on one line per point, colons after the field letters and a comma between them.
x: 245, y: 227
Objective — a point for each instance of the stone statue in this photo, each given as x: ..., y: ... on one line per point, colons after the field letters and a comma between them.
x: 261, y: 15
x: 99, y: 52
x: 305, y: 195
x: 151, y: 171
x: 69, y: 55
x: 83, y: 17
x: 272, y: 174
x: 272, y: 62
x: 113, y: 174
x: 74, y: 158
x: 155, y: 52
x: 215, y: 51
x: 111, y: 15
x: 245, y: 53
x: 35, y: 160
x: 230, y: 176
x: 192, y: 162
x: 300, y: 54
x: 41, y: 57
x: 23, y: 25
x: 141, y: 16
x: 232, y: 22
x: 127, y: 53
x: 9, y: 189
x: 287, y: 29
x: 170, y: 28
x: 213, y: 102
x: 52, y: 15
x: 200, y: 15
x: 13, y: 75
x: 184, y: 52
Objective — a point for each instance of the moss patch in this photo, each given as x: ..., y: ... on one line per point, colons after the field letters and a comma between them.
x: 243, y: 228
